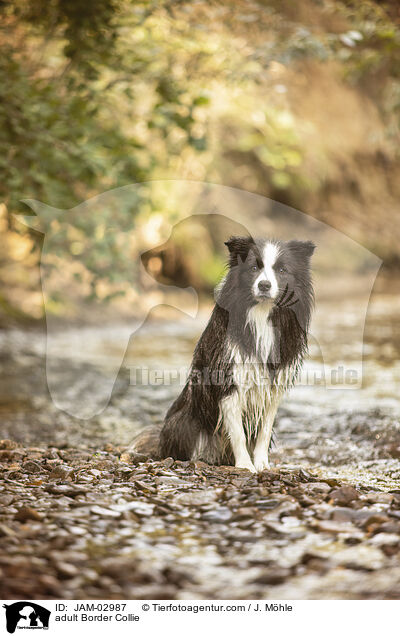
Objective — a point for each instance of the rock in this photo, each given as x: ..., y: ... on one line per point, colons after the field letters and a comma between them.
x: 66, y: 570
x: 267, y: 504
x: 316, y: 487
x: 372, y: 522
x: 286, y: 508
x: 359, y: 557
x: 304, y: 475
x: 105, y: 464
x: 273, y: 575
x: 61, y: 471
x: 167, y: 482
x: 220, y: 525
x: 57, y: 556
x: 125, y: 568
x: 242, y: 514
x: 32, y: 467
x: 344, y: 496
x: 6, y: 531
x: 67, y: 490
x: 392, y: 527
x: 306, y: 501
x: 51, y: 463
x: 196, y: 497
x: 316, y: 563
x: 342, y: 514
x: 391, y: 549
x: 10, y: 456
x: 266, y: 476
x: 26, y: 513
x: 385, y: 539
x: 379, y: 497
x: 6, y: 500
x: 141, y: 485
x: 105, y: 512
x: 283, y: 530
x: 14, y: 474
x: 394, y: 451
x: 140, y: 508
x: 77, y: 530
x: 50, y: 583
x: 218, y: 515
x: 52, y: 454
x: 168, y: 462
x: 335, y: 527
x: 130, y: 457
x: 8, y: 444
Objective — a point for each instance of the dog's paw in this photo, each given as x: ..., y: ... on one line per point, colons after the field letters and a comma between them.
x: 247, y: 465
x: 261, y: 464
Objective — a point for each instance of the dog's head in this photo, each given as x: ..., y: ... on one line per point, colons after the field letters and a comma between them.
x: 273, y: 272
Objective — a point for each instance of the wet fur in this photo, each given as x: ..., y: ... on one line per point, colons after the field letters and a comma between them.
x: 267, y: 339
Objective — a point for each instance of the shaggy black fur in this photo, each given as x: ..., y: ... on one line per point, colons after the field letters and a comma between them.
x: 195, y: 412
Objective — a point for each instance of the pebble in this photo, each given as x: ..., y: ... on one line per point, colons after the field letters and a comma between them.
x: 219, y: 515
x: 26, y: 513
x: 133, y: 458
x: 141, y: 526
x: 272, y: 576
x: 344, y: 495
x: 67, y: 570
x: 32, y: 467
x: 317, y: 487
x: 196, y: 498
x: 61, y: 471
x: 5, y: 531
x: 335, y: 528
x: 104, y: 512
x: 8, y: 444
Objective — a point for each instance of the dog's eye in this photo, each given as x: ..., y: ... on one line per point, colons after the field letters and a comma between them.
x: 254, y: 268
x: 282, y: 270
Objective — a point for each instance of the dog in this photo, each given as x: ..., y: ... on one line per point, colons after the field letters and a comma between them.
x: 249, y: 354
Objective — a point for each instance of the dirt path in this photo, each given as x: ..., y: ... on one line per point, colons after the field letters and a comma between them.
x: 109, y: 524
x: 82, y: 519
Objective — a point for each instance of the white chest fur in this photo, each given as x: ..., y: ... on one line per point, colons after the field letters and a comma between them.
x: 261, y: 327
x: 249, y: 412
x: 255, y: 394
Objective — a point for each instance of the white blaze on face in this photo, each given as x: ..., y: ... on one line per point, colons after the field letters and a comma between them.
x: 269, y: 256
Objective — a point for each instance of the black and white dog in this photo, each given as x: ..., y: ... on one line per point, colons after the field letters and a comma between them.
x: 250, y: 352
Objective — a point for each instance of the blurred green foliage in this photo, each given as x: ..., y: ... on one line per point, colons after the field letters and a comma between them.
x: 105, y: 93
x: 60, y: 134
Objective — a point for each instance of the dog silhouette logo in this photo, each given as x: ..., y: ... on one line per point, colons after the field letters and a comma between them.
x: 186, y: 227
x: 26, y: 615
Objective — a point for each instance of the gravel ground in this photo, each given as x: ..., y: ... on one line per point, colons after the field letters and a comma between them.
x: 81, y: 518
x: 112, y: 524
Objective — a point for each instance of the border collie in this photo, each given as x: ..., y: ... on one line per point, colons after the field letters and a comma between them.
x: 249, y: 354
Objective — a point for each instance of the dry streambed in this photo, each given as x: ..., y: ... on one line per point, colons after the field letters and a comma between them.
x: 112, y: 524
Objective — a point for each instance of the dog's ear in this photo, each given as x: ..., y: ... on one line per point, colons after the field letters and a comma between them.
x: 303, y: 249
x: 239, y: 246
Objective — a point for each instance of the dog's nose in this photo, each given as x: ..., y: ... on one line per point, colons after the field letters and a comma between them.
x: 264, y: 285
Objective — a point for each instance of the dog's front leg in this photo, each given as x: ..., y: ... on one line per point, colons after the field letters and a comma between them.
x: 264, y: 438
x: 232, y: 423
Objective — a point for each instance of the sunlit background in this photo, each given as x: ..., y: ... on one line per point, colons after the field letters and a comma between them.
x: 135, y: 138
x: 295, y: 101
